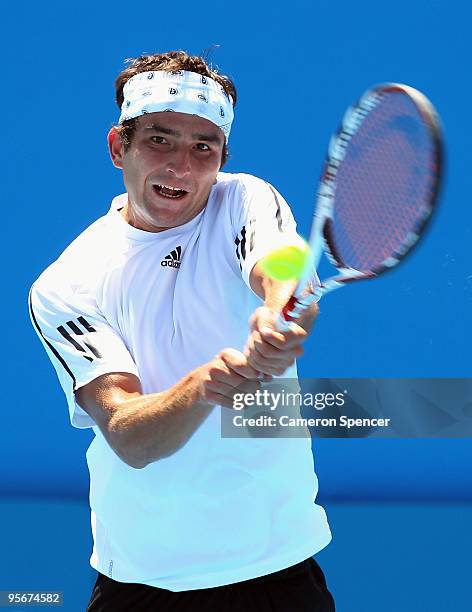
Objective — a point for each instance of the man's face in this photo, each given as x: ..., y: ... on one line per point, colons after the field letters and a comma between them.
x: 169, y: 168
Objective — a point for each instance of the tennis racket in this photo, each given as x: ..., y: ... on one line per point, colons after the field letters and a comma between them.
x: 377, y: 191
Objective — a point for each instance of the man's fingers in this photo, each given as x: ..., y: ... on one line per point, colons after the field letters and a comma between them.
x: 217, y: 398
x: 223, y: 394
x: 272, y: 368
x: 238, y: 363
x: 219, y: 371
x: 271, y: 351
x: 286, y: 339
x: 263, y: 317
x: 270, y: 360
x: 267, y: 352
x: 229, y: 388
x: 273, y: 344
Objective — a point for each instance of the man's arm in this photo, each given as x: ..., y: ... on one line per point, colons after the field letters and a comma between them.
x: 145, y: 428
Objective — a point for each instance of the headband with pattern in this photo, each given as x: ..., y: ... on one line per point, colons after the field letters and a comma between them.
x: 178, y: 91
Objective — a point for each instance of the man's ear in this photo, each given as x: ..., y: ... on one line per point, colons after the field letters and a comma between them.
x: 115, y: 147
x: 224, y: 156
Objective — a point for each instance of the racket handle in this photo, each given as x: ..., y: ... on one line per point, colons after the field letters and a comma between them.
x: 293, y: 309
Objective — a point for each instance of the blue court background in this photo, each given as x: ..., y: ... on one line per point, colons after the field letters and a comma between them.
x: 399, y: 509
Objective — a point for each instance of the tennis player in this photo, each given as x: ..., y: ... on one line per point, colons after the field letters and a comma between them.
x: 145, y: 318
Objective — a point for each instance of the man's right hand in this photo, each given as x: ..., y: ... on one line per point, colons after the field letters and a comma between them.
x: 226, y: 374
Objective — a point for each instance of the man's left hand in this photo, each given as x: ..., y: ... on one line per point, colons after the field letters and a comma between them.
x: 270, y: 351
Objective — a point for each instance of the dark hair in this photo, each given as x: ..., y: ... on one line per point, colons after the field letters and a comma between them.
x: 172, y: 60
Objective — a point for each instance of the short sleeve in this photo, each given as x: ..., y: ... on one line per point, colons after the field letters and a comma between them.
x: 79, y: 342
x: 265, y: 224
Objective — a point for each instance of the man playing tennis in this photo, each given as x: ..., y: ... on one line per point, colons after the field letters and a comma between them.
x: 135, y: 315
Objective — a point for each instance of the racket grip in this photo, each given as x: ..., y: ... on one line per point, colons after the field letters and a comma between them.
x: 293, y: 309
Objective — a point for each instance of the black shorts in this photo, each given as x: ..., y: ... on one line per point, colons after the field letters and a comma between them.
x: 300, y: 588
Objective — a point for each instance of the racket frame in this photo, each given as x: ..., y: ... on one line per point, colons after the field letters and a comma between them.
x: 321, y: 235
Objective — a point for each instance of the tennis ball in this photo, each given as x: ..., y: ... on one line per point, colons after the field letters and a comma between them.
x: 286, y: 263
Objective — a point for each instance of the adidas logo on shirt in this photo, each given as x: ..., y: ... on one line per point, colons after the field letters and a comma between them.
x: 173, y: 259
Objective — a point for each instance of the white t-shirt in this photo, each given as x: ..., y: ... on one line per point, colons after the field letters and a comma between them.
x: 120, y: 299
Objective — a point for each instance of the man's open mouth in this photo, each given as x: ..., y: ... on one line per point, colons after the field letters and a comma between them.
x: 170, y: 192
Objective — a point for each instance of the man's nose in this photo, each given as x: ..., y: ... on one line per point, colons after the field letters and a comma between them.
x: 179, y: 163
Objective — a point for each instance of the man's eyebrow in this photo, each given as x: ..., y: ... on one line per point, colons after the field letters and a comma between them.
x: 170, y: 132
x: 163, y: 130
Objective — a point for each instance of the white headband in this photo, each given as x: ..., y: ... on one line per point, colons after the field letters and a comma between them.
x: 179, y: 91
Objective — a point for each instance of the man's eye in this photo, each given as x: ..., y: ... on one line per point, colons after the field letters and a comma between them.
x: 203, y: 147
x: 158, y: 139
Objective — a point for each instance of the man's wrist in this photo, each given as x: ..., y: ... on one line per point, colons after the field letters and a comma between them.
x: 277, y: 293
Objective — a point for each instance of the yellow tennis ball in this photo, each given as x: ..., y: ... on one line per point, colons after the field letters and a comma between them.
x: 286, y: 263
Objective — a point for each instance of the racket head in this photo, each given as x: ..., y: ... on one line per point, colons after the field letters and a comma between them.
x: 380, y: 182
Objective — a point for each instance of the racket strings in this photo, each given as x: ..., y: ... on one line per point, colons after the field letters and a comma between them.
x: 383, y: 185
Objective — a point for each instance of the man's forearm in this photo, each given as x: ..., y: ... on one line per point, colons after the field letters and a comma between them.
x: 156, y: 425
